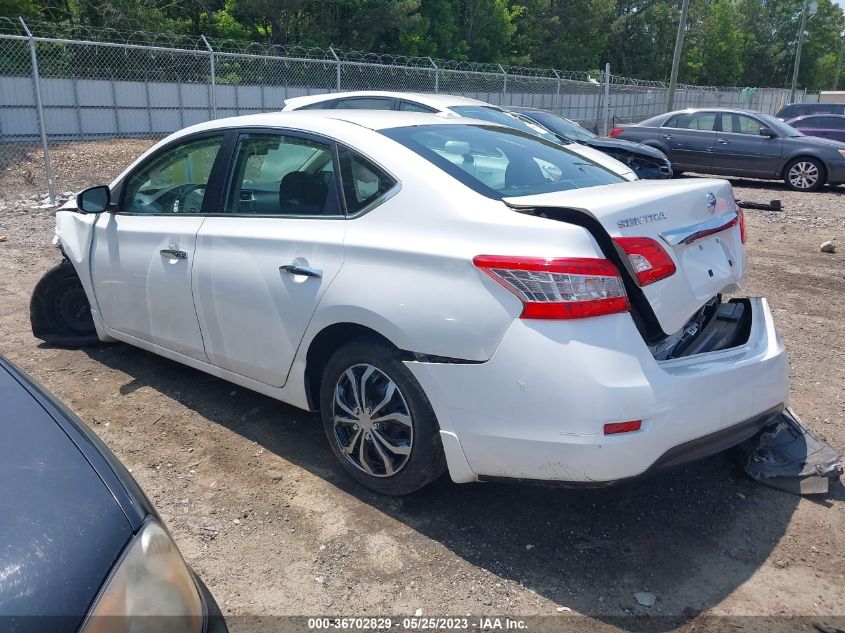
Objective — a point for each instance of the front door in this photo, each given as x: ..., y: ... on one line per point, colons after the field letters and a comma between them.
x: 142, y: 253
x: 740, y: 149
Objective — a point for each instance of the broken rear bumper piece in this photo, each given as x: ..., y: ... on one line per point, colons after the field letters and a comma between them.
x: 786, y: 455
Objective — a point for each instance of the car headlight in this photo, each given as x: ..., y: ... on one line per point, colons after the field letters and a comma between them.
x: 149, y: 590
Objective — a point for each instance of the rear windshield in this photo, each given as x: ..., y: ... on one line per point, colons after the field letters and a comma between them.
x: 559, y: 125
x: 497, y: 115
x: 498, y: 162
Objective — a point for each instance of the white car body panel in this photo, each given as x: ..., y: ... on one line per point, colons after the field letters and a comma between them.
x: 442, y: 103
x: 513, y: 397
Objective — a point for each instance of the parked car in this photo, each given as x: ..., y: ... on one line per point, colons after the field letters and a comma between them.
x: 830, y: 126
x: 449, y: 294
x: 741, y: 143
x: 645, y: 161
x: 448, y: 105
x: 82, y: 549
x: 793, y: 110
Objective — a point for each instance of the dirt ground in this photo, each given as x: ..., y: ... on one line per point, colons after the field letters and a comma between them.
x: 264, y: 514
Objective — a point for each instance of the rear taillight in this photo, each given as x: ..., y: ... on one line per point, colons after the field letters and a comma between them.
x: 558, y: 288
x: 650, y: 262
x: 616, y: 132
x: 740, y: 212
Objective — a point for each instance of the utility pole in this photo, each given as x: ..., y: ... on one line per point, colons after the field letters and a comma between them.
x: 839, y: 63
x: 798, y: 52
x: 676, y: 58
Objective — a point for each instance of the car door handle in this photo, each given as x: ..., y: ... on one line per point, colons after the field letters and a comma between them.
x: 722, y: 141
x: 668, y: 136
x: 174, y: 253
x: 299, y: 269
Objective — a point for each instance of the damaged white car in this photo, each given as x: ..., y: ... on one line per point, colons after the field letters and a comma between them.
x: 449, y: 294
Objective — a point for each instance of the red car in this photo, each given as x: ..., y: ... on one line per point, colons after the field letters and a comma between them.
x: 830, y: 126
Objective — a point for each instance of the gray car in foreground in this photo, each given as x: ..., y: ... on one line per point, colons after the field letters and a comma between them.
x: 82, y: 550
x: 741, y: 143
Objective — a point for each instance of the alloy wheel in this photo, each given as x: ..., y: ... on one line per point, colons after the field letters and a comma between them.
x: 372, y: 422
x: 803, y: 175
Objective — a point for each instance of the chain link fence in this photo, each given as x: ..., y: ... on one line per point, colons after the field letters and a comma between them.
x: 59, y: 90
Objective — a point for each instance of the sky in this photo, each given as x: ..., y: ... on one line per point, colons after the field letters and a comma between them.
x: 841, y: 3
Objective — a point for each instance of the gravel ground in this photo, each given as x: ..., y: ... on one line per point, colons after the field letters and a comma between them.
x: 263, y: 513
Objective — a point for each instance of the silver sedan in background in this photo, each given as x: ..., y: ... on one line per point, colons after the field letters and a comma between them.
x: 741, y: 143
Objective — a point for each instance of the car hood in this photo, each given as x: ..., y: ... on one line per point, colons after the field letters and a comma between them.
x: 62, y: 529
x: 602, y: 143
x: 816, y: 141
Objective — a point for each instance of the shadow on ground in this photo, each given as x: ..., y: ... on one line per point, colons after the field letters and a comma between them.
x: 691, y: 537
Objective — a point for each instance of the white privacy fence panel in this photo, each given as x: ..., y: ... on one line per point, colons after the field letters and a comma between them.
x: 95, y: 90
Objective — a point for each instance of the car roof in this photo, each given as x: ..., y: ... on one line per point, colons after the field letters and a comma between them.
x: 431, y: 99
x: 370, y: 119
x: 815, y: 115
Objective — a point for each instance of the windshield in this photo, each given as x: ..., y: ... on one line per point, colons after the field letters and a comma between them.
x: 559, y: 125
x: 498, y: 162
x: 784, y: 129
x: 497, y: 115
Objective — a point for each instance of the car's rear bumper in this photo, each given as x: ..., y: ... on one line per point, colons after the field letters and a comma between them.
x: 536, y: 410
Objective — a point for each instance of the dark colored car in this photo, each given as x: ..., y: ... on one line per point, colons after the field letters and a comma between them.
x: 741, y: 143
x: 793, y: 110
x: 645, y: 161
x: 830, y: 126
x: 81, y: 547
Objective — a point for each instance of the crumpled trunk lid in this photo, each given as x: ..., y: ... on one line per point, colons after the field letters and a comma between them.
x: 694, y: 220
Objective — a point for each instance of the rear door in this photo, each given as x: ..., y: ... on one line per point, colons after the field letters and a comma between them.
x: 691, y: 139
x: 264, y: 261
x: 831, y: 127
x: 741, y: 150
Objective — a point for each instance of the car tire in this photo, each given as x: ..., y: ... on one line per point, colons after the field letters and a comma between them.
x: 805, y: 174
x: 387, y: 438
x: 59, y: 310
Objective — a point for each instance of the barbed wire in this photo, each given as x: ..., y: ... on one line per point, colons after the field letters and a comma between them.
x: 82, y: 33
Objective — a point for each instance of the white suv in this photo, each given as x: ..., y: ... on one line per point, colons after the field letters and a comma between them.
x: 446, y: 292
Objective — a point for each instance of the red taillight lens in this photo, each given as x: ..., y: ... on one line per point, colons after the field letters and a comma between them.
x: 622, y: 427
x: 650, y: 262
x: 558, y: 288
x: 616, y: 132
x: 741, y: 213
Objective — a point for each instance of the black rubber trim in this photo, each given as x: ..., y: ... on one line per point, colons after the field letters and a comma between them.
x: 693, y: 450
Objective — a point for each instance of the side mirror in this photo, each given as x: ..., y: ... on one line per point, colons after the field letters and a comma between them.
x: 767, y: 132
x: 94, y: 199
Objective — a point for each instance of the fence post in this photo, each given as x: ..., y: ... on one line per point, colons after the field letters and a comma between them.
x: 504, y: 83
x: 36, y: 82
x: 211, y: 56
x: 337, y: 61
x: 606, y: 106
x: 436, y: 75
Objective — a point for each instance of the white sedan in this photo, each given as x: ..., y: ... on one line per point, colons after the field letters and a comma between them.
x: 445, y: 105
x: 539, y: 319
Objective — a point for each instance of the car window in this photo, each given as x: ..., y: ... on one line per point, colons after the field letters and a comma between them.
x: 410, y: 106
x: 498, y: 161
x: 276, y: 174
x: 364, y: 103
x: 692, y: 121
x: 830, y: 123
x: 559, y: 125
x: 320, y: 105
x: 174, y: 181
x: 497, y: 115
x: 363, y: 182
x: 740, y: 124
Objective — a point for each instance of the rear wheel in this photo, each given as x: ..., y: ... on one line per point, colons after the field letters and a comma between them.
x: 804, y: 174
x: 59, y: 309
x: 378, y: 421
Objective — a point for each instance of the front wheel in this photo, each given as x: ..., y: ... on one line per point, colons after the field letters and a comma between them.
x: 59, y: 310
x: 804, y: 174
x: 378, y: 420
